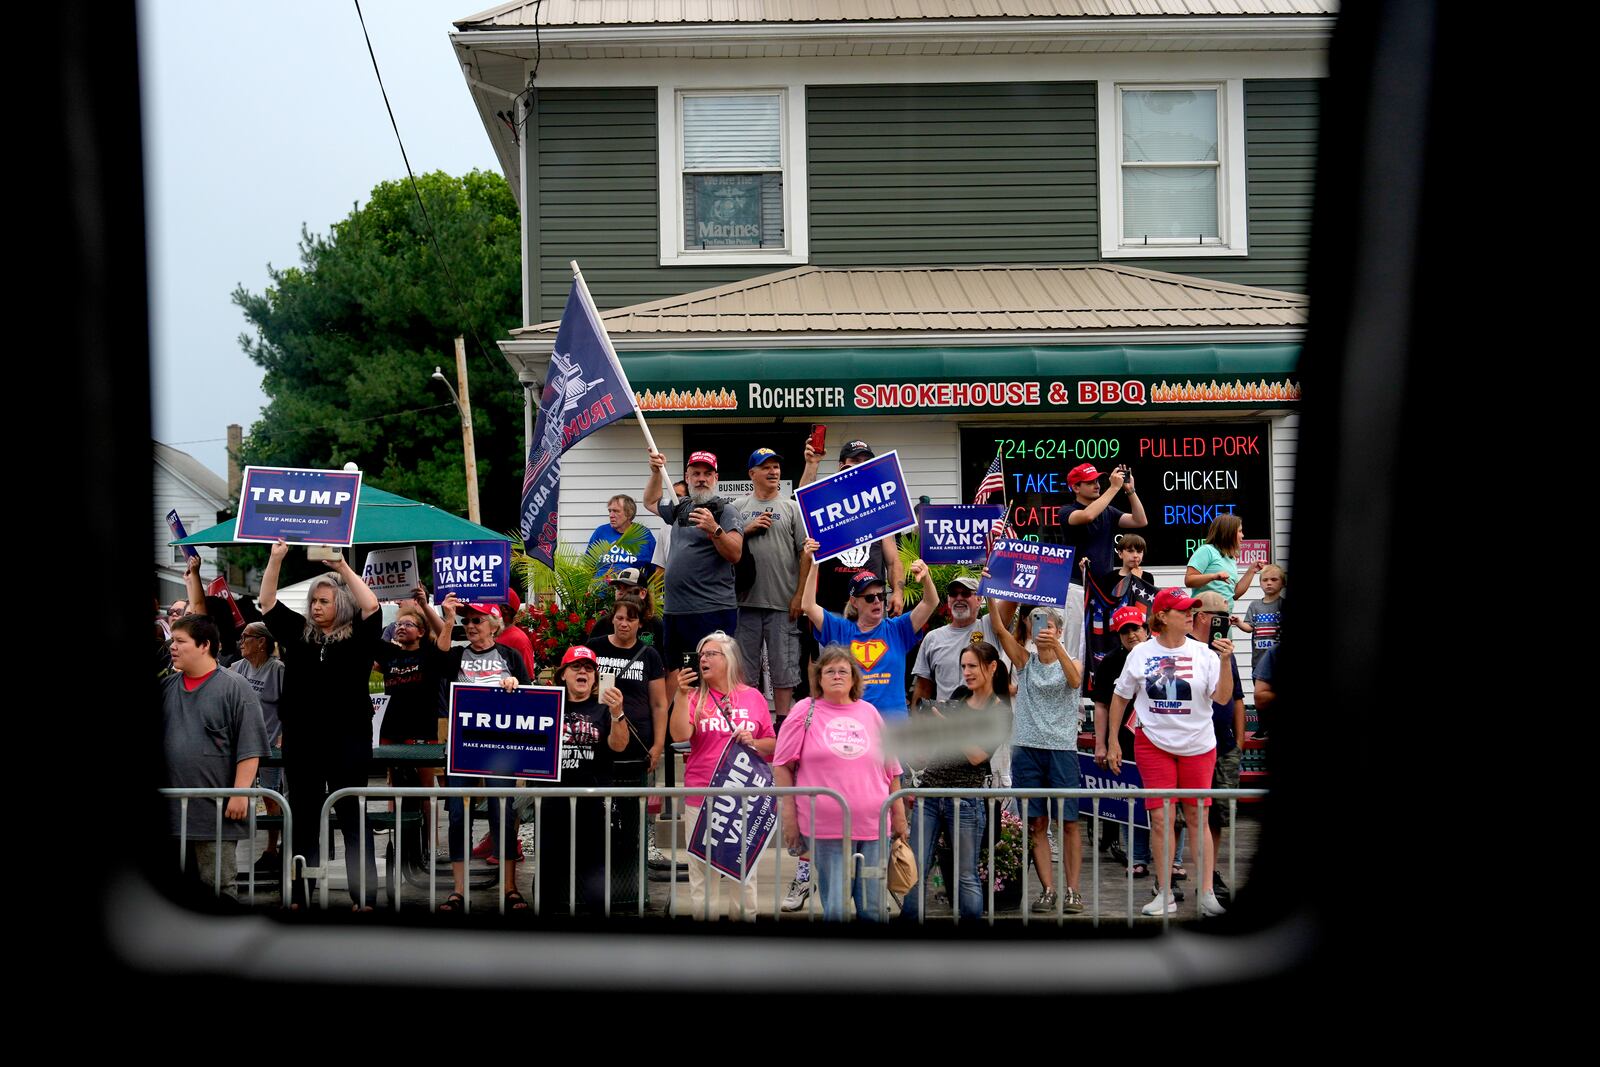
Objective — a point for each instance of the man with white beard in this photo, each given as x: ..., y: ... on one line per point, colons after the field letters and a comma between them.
x: 706, y: 543
x: 938, y: 667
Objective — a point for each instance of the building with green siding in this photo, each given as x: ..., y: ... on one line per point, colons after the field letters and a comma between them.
x: 1066, y: 231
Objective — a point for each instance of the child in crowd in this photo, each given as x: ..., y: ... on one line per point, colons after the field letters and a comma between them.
x: 1130, y: 581
x: 1264, y: 618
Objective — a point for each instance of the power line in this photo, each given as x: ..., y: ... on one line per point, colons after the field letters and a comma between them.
x: 433, y: 237
x: 314, y: 429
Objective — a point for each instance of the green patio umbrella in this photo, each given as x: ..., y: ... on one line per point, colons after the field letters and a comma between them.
x: 381, y: 519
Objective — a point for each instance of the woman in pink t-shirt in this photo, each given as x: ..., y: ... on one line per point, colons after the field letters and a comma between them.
x: 712, y: 709
x: 836, y: 742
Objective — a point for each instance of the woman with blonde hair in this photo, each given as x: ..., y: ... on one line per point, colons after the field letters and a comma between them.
x: 713, y: 708
x: 1214, y: 565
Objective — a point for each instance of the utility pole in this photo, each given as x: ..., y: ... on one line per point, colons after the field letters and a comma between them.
x: 464, y: 409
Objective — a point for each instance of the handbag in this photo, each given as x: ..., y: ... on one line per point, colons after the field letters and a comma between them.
x: 902, y: 867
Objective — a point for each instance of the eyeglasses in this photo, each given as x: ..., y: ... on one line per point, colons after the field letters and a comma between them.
x: 470, y: 619
x: 711, y: 651
x: 959, y: 591
x: 408, y: 623
x: 871, y: 598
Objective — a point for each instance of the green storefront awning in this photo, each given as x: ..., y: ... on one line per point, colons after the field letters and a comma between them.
x: 966, y: 379
x: 381, y: 519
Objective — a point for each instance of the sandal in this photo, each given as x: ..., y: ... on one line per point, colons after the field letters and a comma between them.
x: 515, y: 901
x: 1118, y: 854
x: 1140, y: 870
x: 1178, y: 873
x: 453, y: 903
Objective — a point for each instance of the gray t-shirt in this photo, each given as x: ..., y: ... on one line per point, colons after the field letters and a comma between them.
x: 939, y: 655
x: 206, y: 734
x: 776, y: 552
x: 267, y: 681
x: 1047, y: 714
x: 698, y: 578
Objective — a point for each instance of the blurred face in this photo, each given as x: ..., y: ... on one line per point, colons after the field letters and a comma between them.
x: 1271, y: 584
x: 177, y: 610
x: 625, y: 624
x: 701, y: 479
x: 976, y: 675
x: 407, y: 632
x: 252, y: 645
x: 579, y: 677
x: 618, y: 516
x: 187, y: 656
x: 836, y: 677
x: 963, y: 604
x: 768, y: 475
x: 855, y: 460
x: 322, y: 606
x: 713, y: 663
x: 480, y: 630
x: 1132, y: 635
x: 869, y: 606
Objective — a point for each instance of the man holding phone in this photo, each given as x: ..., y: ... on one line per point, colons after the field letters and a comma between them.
x: 769, y: 608
x: 707, y: 540
x: 1092, y: 520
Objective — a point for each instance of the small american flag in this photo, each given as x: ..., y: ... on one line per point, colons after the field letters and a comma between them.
x: 999, y: 530
x: 993, y: 482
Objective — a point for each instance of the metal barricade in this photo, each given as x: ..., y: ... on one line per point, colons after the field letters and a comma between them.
x: 540, y: 796
x: 184, y: 795
x: 1058, y: 864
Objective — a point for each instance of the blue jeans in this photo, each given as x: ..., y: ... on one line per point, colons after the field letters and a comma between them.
x: 928, y: 818
x: 1140, y: 849
x: 459, y: 819
x: 828, y: 861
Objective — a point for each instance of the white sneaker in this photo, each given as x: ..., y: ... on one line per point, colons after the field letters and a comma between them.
x: 1210, y: 905
x: 1160, y: 903
x: 798, y: 892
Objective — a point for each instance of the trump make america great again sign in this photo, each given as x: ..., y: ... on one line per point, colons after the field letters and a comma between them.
x: 304, y: 507
x: 857, y: 506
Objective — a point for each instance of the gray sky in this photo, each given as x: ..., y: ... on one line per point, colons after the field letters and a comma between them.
x: 258, y: 118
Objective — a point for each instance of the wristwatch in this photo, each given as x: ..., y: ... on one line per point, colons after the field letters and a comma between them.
x: 717, y: 532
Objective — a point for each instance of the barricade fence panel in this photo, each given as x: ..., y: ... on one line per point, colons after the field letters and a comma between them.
x: 185, y: 796
x: 579, y: 819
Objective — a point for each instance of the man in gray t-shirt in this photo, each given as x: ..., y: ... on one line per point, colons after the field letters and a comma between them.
x: 212, y: 737
x: 769, y: 610
x: 707, y: 541
x: 938, y: 666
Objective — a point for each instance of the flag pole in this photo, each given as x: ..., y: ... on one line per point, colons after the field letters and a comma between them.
x: 611, y: 353
x: 1005, y: 503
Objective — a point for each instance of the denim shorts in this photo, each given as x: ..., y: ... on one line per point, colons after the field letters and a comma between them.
x: 1046, y: 768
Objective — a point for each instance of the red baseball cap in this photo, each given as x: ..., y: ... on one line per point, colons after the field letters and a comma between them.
x: 1083, y: 472
x: 513, y: 601
x: 574, y: 654
x: 707, y: 458
x: 482, y: 609
x: 1173, y: 599
x: 1127, y: 615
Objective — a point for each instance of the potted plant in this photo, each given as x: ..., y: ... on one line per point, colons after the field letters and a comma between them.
x: 1004, y: 868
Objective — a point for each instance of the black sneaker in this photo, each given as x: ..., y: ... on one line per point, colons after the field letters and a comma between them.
x: 1220, y: 888
x: 269, y: 867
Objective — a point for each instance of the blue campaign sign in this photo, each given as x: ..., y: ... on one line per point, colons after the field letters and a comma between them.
x: 472, y: 570
x: 1029, y: 573
x: 496, y: 733
x: 1095, y: 777
x: 956, y: 533
x: 856, y: 506
x: 304, y: 507
x: 175, y: 524
x: 740, y: 767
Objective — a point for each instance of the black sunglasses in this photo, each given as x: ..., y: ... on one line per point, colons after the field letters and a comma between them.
x: 871, y: 598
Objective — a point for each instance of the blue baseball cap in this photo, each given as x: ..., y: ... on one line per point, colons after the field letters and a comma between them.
x: 760, y: 456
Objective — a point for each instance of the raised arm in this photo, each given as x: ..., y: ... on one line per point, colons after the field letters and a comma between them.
x: 1224, y: 650
x: 808, y: 586
x: 1090, y: 512
x: 652, y: 488
x: 430, y: 618
x: 930, y: 595
x: 269, y: 577
x: 895, y: 576
x: 366, y: 599
x: 1134, y: 517
x: 193, y: 586
x: 1008, y: 643
x: 447, y: 624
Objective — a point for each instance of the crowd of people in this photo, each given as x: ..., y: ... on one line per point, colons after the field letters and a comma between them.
x: 749, y: 612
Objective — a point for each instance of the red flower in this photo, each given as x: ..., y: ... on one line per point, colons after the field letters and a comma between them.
x: 573, y: 618
x: 588, y: 627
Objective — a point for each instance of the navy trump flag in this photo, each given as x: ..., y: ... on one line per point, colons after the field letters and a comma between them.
x: 584, y: 391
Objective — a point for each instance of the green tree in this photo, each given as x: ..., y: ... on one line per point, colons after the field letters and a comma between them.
x: 349, y: 338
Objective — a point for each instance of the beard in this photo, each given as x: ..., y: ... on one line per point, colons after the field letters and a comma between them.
x: 701, y: 497
x: 965, y: 614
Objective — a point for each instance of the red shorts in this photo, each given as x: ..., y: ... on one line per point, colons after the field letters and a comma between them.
x: 1161, y: 769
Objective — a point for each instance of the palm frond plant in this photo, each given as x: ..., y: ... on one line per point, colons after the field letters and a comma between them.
x: 939, y: 574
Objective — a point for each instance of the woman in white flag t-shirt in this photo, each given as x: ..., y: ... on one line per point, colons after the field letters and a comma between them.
x: 1172, y: 681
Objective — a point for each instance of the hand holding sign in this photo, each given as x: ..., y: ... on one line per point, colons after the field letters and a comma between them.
x: 279, y: 549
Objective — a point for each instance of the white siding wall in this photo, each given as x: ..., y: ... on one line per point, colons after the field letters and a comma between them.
x: 196, y: 511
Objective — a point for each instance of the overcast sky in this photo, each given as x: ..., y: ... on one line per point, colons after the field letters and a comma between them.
x: 258, y: 118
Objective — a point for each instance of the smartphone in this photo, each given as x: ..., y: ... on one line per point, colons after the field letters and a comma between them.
x: 608, y: 681
x: 1221, y: 626
x: 688, y: 663
x: 1039, y: 622
x: 819, y: 437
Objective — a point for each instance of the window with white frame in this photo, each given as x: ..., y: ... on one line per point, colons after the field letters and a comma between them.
x: 1176, y: 163
x: 732, y: 180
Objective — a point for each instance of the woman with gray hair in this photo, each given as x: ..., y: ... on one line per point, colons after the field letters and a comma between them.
x: 325, y: 709
x: 1044, y: 744
x: 713, y: 709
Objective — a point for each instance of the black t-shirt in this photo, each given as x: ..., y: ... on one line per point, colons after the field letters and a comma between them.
x: 834, y: 575
x: 1097, y: 540
x: 1105, y: 680
x: 958, y: 772
x: 411, y: 678
x: 325, y: 683
x: 586, y: 758
x: 468, y: 666
x: 1222, y: 715
x: 652, y: 633
x: 634, y: 675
